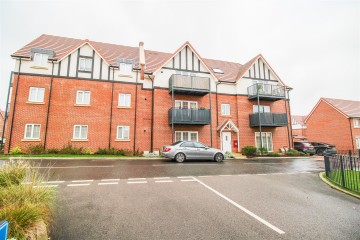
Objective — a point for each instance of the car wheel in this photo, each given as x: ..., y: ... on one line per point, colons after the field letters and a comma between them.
x: 320, y: 152
x: 180, y: 157
x: 219, y: 157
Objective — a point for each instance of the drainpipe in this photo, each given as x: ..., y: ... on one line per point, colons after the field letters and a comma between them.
x: 6, y: 110
x: 136, y: 92
x: 288, y: 115
x: 351, y: 134
x: 211, y: 145
x: 152, y: 116
x: 258, y: 103
x: 48, y: 108
x: 13, y: 114
x: 111, y: 107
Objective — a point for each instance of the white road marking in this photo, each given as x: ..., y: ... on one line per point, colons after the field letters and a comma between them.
x: 266, y: 163
x: 108, y: 183
x: 135, y: 179
x: 204, y: 176
x: 188, y: 180
x: 262, y: 174
x: 164, y: 181
x: 242, y: 208
x: 185, y: 177
x: 53, y: 182
x: 159, y: 178
x: 185, y: 164
x: 225, y: 175
x: 78, y: 185
x: 45, y: 186
x: 77, y: 167
x: 82, y: 181
x: 110, y: 180
x: 137, y: 182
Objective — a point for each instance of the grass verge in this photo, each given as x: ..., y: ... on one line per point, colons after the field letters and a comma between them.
x: 6, y: 156
x: 337, y: 186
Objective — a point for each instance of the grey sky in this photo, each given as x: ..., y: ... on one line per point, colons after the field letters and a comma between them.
x: 314, y: 46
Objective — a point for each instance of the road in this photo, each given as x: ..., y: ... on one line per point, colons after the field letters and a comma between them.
x: 237, y: 199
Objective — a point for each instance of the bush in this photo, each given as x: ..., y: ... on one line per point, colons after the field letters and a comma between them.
x: 121, y: 152
x: 12, y: 173
x: 36, y: 149
x: 294, y: 153
x: 128, y: 153
x: 16, y: 151
x: 274, y: 154
x: 248, y: 151
x: 151, y: 155
x: 229, y: 155
x: 137, y: 153
x: 88, y: 151
x: 69, y: 149
x: 53, y: 151
x: 262, y: 150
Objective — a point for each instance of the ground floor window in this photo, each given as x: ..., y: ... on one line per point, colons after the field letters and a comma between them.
x: 358, y: 142
x: 80, y: 132
x: 266, y: 140
x: 123, y: 132
x: 32, y: 131
x: 186, y: 136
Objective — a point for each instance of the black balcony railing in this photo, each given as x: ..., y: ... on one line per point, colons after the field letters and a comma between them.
x: 268, y: 119
x: 189, y: 116
x: 189, y: 84
x: 266, y: 92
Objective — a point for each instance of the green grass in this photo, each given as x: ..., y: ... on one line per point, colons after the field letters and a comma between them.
x: 6, y: 156
x: 352, y: 179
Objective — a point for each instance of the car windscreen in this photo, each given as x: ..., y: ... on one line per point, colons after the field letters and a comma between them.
x: 199, y: 145
x: 175, y: 143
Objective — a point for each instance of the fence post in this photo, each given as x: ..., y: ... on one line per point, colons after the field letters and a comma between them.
x: 327, y: 165
x: 342, y: 170
x: 350, y: 159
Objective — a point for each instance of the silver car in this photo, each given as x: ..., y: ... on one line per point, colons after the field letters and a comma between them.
x: 182, y: 150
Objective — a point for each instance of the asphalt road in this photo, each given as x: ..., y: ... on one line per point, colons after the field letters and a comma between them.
x: 238, y: 199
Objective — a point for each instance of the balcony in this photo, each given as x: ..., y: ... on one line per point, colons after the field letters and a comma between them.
x: 268, y: 119
x: 266, y: 92
x: 189, y: 116
x: 190, y: 85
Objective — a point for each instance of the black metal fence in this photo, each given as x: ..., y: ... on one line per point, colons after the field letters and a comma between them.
x: 343, y: 168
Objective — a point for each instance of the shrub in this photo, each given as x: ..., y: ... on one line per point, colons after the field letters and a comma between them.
x: 69, y: 149
x: 137, y: 153
x: 248, y: 151
x: 12, y: 173
x: 274, y: 154
x: 121, y: 152
x: 151, y: 155
x: 53, y: 151
x: 88, y: 151
x: 294, y: 153
x: 128, y: 153
x: 16, y: 151
x: 229, y: 155
x: 36, y: 149
x: 101, y: 151
x: 262, y: 150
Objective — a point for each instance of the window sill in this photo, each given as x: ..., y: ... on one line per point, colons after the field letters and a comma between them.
x: 35, y: 103
x: 123, y: 107
x: 122, y: 140
x: 125, y: 75
x: 39, y: 67
x: 226, y: 115
x: 30, y: 140
x: 82, y: 105
x: 79, y: 140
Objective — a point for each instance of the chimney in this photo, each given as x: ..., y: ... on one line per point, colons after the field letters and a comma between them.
x: 142, y: 60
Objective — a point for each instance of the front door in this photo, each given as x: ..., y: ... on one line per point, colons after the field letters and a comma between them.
x: 226, y: 141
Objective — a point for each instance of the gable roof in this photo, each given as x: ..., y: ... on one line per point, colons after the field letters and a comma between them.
x: 297, y: 119
x: 348, y: 108
x: 62, y: 46
x: 2, y: 114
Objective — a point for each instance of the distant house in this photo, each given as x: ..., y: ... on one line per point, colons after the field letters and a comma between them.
x: 2, y: 118
x: 298, y: 127
x: 335, y: 121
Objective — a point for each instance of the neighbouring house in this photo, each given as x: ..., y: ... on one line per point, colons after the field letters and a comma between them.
x: 100, y: 95
x: 2, y: 119
x: 298, y: 127
x: 335, y: 121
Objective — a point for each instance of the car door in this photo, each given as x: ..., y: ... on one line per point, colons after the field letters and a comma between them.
x: 202, y: 152
x: 188, y: 149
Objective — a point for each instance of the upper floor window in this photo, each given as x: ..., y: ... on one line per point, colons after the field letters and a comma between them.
x: 356, y: 123
x: 180, y: 104
x: 263, y: 109
x: 124, y: 100
x: 32, y: 131
x: 85, y: 64
x: 36, y: 94
x: 83, y: 97
x: 80, y: 132
x: 125, y: 67
x: 225, y: 109
x: 40, y: 59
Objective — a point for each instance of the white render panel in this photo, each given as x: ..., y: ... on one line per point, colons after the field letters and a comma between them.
x: 147, y: 84
x: 96, y: 70
x: 73, y: 64
x: 242, y: 86
x: 64, y: 66
x: 86, y: 50
x: 227, y: 88
x: 104, y: 73
x: 84, y: 75
x: 29, y: 67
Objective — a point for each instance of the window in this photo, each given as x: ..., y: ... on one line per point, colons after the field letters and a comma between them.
x: 40, y: 59
x: 358, y: 142
x: 199, y: 145
x: 187, y: 144
x: 266, y: 140
x: 124, y: 100
x: 218, y: 70
x: 85, y: 64
x: 180, y: 104
x: 263, y: 109
x: 186, y: 136
x: 32, y: 131
x: 36, y: 94
x: 83, y: 97
x: 357, y: 123
x: 123, y: 133
x: 225, y: 109
x: 125, y: 68
x: 80, y: 132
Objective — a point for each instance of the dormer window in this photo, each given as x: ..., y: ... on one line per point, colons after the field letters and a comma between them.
x: 125, y: 68
x: 85, y: 64
x: 40, y: 59
x: 218, y: 70
x: 125, y: 65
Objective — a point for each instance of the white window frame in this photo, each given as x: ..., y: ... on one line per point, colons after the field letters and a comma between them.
x: 122, y: 137
x: 125, y: 68
x: 81, y: 129
x: 263, y: 109
x: 356, y: 123
x: 189, y: 135
x: 188, y: 102
x: 85, y: 64
x: 40, y: 59
x: 357, y: 141
x: 83, y: 97
x: 127, y: 100
x: 224, y: 111
x: 35, y: 91
x: 32, y: 131
x: 266, y: 144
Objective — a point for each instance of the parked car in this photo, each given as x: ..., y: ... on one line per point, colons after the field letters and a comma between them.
x: 320, y: 148
x: 304, y: 147
x: 183, y: 150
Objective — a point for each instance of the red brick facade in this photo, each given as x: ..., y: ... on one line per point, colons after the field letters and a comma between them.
x: 64, y: 114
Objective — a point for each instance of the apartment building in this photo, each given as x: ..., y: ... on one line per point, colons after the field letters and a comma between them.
x: 93, y: 94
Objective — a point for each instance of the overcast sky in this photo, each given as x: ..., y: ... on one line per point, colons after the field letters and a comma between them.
x: 313, y: 45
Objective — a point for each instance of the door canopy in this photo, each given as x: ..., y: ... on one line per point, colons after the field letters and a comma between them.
x: 228, y: 126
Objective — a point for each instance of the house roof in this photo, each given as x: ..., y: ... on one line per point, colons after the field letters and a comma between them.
x: 2, y: 114
x: 297, y: 119
x: 62, y: 46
